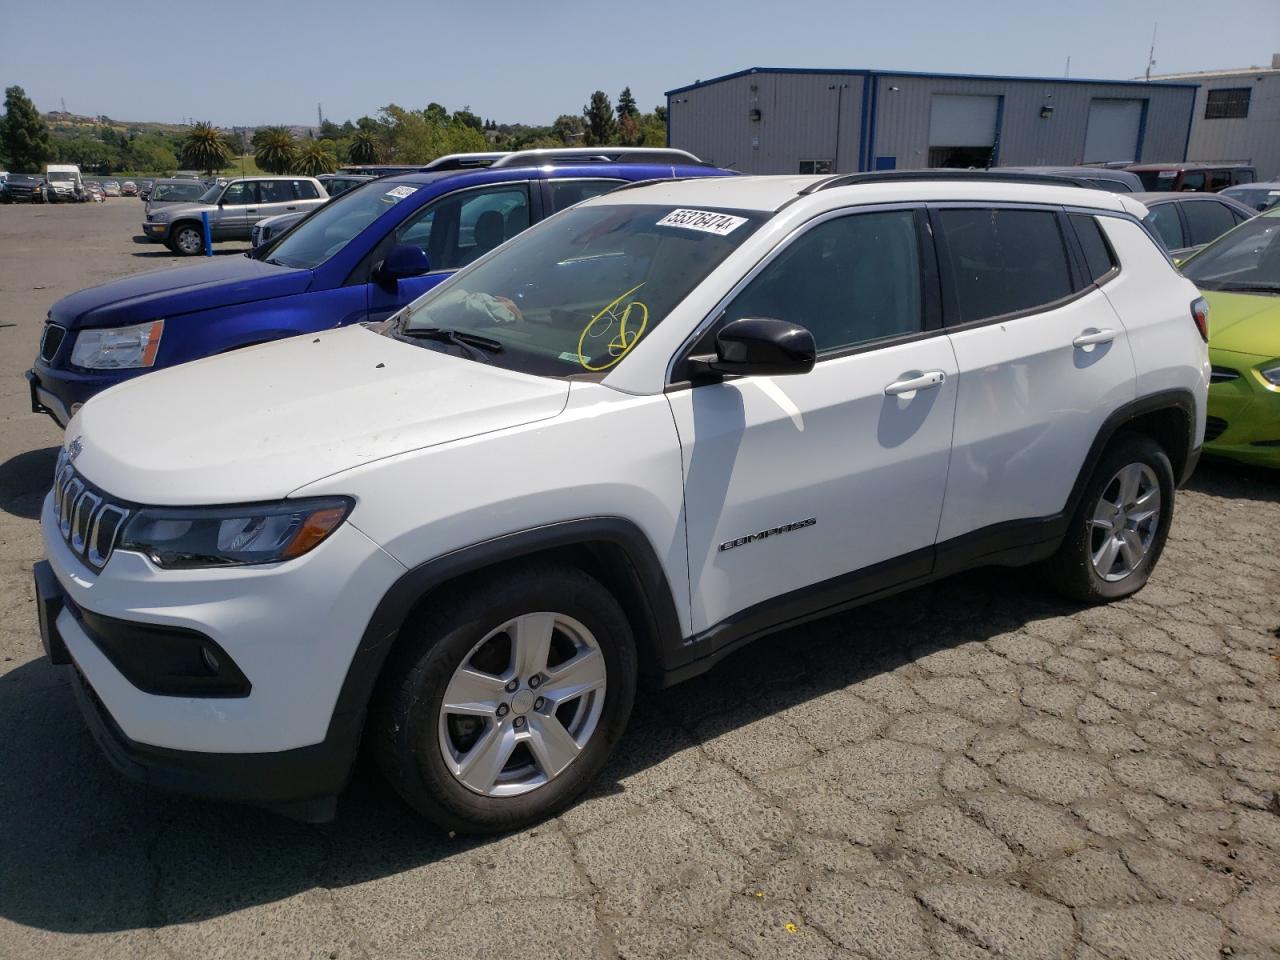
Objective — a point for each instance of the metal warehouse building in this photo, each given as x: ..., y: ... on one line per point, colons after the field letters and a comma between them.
x: 776, y: 120
x: 1237, y: 116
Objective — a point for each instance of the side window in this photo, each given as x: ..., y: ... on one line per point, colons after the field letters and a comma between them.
x: 1207, y: 220
x: 238, y: 194
x: 851, y: 281
x: 1219, y: 180
x: 1097, y: 252
x: 565, y: 193
x: 305, y: 190
x: 458, y: 228
x: 1004, y: 261
x: 1192, y: 181
x: 275, y: 191
x: 1163, y: 219
x: 1242, y: 176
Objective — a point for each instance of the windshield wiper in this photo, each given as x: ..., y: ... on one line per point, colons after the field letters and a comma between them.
x: 469, y: 343
x: 1248, y: 287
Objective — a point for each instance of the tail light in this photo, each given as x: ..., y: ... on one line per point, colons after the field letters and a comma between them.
x: 1200, y: 314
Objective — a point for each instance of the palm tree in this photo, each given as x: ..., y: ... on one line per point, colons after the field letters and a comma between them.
x: 315, y: 157
x: 365, y: 147
x: 274, y: 149
x: 206, y: 148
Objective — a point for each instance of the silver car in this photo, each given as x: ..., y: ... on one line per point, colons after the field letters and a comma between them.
x: 232, y: 209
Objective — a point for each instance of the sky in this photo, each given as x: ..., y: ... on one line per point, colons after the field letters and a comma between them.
x: 250, y: 63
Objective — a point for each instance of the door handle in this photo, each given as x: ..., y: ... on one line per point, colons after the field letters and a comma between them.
x: 250, y: 209
x: 1092, y: 337
x: 291, y: 208
x: 926, y: 381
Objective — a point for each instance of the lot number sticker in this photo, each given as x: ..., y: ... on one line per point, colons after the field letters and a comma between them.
x: 705, y: 221
x: 401, y: 192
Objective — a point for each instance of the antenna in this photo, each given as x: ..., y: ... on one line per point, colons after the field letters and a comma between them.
x: 1151, y: 57
x: 1067, y: 71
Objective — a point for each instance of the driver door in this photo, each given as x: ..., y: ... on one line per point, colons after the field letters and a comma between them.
x: 452, y: 230
x: 238, y: 204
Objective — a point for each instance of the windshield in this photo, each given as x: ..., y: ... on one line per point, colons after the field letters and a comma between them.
x: 331, y: 227
x: 575, y: 294
x: 61, y: 175
x: 1155, y: 181
x: 1245, y: 260
x: 176, y: 191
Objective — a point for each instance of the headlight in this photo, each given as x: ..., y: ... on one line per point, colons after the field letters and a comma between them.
x: 233, y: 536
x: 116, y: 348
x: 1271, y: 374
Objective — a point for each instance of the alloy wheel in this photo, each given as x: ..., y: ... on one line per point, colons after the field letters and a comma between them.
x: 522, y: 705
x: 188, y: 241
x: 1125, y: 522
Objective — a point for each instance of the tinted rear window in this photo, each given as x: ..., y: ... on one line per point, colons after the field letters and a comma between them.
x: 1004, y: 261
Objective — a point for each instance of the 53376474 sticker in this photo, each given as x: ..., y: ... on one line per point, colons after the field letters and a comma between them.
x: 704, y: 221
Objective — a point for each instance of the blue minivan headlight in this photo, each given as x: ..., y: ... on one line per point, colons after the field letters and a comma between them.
x: 117, y: 348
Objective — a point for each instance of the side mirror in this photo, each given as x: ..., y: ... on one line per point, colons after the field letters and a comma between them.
x: 760, y: 347
x: 401, y: 263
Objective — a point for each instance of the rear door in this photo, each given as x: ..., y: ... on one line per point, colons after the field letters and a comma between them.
x: 1043, y: 360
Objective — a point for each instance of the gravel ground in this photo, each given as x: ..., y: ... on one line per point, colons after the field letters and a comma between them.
x: 971, y: 770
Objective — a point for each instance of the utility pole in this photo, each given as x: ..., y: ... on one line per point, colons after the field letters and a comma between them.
x: 1067, y: 71
x: 319, y: 116
x: 1151, y: 57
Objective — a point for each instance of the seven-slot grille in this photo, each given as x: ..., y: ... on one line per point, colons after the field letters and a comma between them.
x: 51, y: 340
x: 89, y: 522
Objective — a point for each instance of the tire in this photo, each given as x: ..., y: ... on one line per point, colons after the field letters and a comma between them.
x: 186, y: 239
x: 421, y: 747
x: 1079, y: 570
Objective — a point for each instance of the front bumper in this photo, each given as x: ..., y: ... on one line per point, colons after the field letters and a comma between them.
x: 156, y: 231
x: 1244, y: 413
x: 60, y: 393
x: 291, y: 628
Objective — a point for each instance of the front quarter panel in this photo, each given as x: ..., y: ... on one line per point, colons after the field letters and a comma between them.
x: 606, y: 455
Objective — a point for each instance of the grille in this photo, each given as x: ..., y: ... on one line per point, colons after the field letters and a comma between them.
x: 51, y: 340
x: 1214, y: 427
x: 88, y: 520
x: 1223, y: 375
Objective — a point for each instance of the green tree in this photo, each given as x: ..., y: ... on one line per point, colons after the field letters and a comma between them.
x: 206, y: 148
x: 627, y: 104
x: 468, y: 118
x: 274, y: 149
x: 151, y: 154
x: 24, y: 136
x: 365, y: 147
x: 315, y: 157
x: 568, y: 128
x: 88, y: 153
x: 601, y: 128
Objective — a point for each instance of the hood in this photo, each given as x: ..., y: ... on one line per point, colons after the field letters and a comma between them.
x: 177, y: 208
x: 1244, y: 323
x: 259, y: 423
x: 218, y: 282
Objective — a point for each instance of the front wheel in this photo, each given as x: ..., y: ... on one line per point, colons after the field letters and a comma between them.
x: 187, y: 240
x: 504, y: 701
x: 1119, y: 529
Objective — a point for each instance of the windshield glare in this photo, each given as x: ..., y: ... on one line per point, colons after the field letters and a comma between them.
x: 175, y: 191
x: 332, y: 227
x: 575, y: 294
x: 1247, y: 258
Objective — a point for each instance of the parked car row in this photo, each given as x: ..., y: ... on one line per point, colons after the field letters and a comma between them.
x: 640, y: 426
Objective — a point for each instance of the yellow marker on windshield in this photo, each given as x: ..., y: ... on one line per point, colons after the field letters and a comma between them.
x: 627, y: 336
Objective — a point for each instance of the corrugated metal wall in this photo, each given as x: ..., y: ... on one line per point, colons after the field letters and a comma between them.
x: 1255, y: 138
x: 798, y: 119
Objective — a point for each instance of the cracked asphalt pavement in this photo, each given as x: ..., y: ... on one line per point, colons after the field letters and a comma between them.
x: 972, y: 770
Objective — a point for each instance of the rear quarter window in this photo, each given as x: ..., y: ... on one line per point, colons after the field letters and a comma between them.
x: 1099, y: 258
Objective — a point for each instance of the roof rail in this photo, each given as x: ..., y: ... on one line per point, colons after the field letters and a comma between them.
x: 603, y: 154
x: 899, y: 176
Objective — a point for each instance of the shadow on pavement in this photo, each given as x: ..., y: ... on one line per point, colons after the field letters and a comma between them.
x: 24, y: 480
x: 1219, y: 477
x: 82, y: 850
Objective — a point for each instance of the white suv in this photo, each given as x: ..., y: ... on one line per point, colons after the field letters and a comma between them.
x: 658, y: 425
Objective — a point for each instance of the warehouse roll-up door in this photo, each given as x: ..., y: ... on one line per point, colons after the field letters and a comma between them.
x: 1112, y: 134
x: 962, y: 130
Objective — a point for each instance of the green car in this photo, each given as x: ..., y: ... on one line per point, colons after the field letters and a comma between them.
x: 1239, y: 274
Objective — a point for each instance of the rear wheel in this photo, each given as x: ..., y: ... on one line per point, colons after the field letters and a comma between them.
x: 500, y: 706
x: 186, y: 239
x: 1119, y: 529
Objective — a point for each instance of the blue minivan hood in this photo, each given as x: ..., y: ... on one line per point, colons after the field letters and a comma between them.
x: 219, y: 282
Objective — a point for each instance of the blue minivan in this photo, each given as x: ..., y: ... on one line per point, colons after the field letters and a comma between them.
x: 360, y: 257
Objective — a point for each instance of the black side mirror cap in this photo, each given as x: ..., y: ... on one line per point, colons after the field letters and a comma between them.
x: 759, y: 347
x: 401, y: 263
